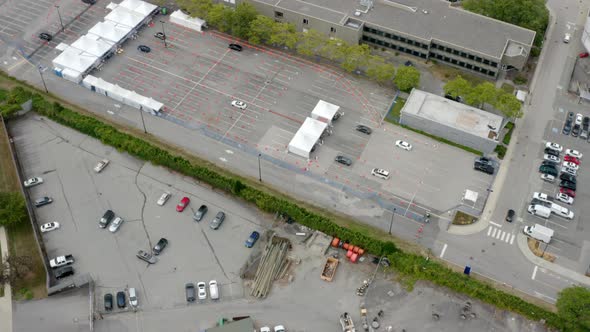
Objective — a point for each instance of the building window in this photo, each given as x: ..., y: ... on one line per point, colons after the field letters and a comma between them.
x: 493, y: 64
x: 411, y: 42
x: 447, y: 59
x: 463, y: 54
x: 305, y: 21
x: 332, y: 29
x: 278, y: 14
x: 423, y: 56
x: 387, y: 35
x: 395, y: 37
x: 386, y: 44
x: 453, y: 61
x: 470, y: 56
x: 401, y: 49
x: 448, y: 50
x: 415, y: 53
x: 476, y: 68
x: 478, y: 59
x: 379, y: 33
x: 455, y: 52
x: 468, y: 66
x: 461, y: 63
x: 486, y: 61
x: 424, y: 46
x: 484, y: 71
x: 402, y: 39
x: 492, y: 73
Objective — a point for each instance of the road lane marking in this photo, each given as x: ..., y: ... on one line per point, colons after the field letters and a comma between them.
x: 494, y: 232
x: 497, y: 225
x: 534, y: 272
x: 442, y: 253
x: 512, y: 239
x: 489, y: 230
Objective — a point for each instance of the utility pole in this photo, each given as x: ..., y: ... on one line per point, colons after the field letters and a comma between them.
x: 42, y: 79
x: 164, y: 32
x: 60, y: 21
x: 391, y: 223
x: 259, y: 168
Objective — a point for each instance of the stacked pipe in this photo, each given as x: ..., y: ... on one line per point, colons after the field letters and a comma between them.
x: 273, y: 266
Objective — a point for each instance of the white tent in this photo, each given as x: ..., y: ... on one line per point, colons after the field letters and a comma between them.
x: 180, y: 18
x: 324, y: 111
x: 124, y: 96
x: 139, y: 6
x: 470, y: 196
x: 93, y: 44
x: 125, y: 17
x: 72, y: 63
x: 306, y: 137
x: 110, y: 31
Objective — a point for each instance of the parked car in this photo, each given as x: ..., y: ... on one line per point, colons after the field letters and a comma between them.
x: 182, y: 204
x: 571, y: 165
x: 551, y: 152
x: 554, y: 146
x: 279, y: 328
x: 567, y: 37
x: 549, y: 163
x: 564, y: 198
x: 343, y: 160
x: 45, y: 36
x: 50, y: 226
x: 548, y: 178
x: 403, y: 145
x: 486, y: 161
x: 147, y: 257
x: 189, y: 290
x: 121, y: 300
x: 106, y: 219
x: 583, y: 55
x: 380, y: 173
x: 213, y: 290
x: 63, y: 272
x: 484, y: 168
x: 89, y: 2
x: 235, y: 47
x: 101, y: 165
x: 144, y: 48
x: 567, y: 177
x: 568, y: 192
x: 33, y: 182
x: 568, y: 170
x: 552, y: 158
x: 364, y: 129
x: 548, y: 170
x: 574, y: 153
x: 239, y: 104
x: 458, y: 99
x: 39, y: 202
x: 200, y: 213
x: 510, y: 215
x: 133, y: 297
x: 202, y: 290
x: 164, y: 198
x: 252, y: 239
x: 160, y: 35
x: 265, y: 329
x: 218, y: 220
x: 579, y: 119
x: 568, y: 185
x: 159, y: 247
x: 115, y: 224
x: 108, y: 302
x: 567, y: 127
x: 572, y: 159
x: 576, y: 130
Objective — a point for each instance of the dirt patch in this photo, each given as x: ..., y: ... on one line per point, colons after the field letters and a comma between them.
x: 539, y: 250
x: 448, y: 73
x: 21, y: 242
x: 462, y: 218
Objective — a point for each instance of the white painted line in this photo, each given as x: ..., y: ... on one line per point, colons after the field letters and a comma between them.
x: 534, y: 272
x: 512, y: 239
x: 503, y: 234
x: 442, y: 253
x: 508, y: 237
x: 499, y: 233
x: 490, y: 230
x: 494, y: 232
x: 497, y: 225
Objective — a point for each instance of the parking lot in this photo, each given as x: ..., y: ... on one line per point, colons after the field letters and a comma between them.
x: 569, y: 241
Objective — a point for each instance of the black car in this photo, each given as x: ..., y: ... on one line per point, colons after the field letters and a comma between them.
x: 576, y: 130
x: 570, y: 116
x: 586, y: 123
x: 200, y: 213
x: 484, y: 168
x: 484, y: 161
x: 568, y: 185
x: 89, y: 2
x: 546, y: 169
x: 510, y: 215
x: 144, y: 49
x: 343, y: 160
x: 567, y: 177
x: 43, y: 201
x: 458, y: 99
x: 408, y: 64
x: 551, y: 152
x: 45, y: 36
x: 64, y: 271
x: 364, y: 129
x: 108, y: 302
x: 189, y: 290
x: 567, y: 127
x: 121, y: 300
x: 549, y: 163
x: 235, y: 47
x: 160, y: 246
x: 160, y: 35
x: 106, y: 218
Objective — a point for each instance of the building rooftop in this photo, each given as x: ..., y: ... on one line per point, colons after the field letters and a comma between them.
x: 423, y: 19
x: 242, y: 325
x: 452, y: 114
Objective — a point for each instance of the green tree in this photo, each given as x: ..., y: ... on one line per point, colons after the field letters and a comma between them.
x: 261, y: 29
x: 284, y: 34
x: 407, y: 77
x: 457, y: 87
x: 379, y: 70
x: 334, y: 49
x: 483, y: 93
x: 355, y: 56
x: 573, y: 307
x: 221, y: 17
x: 244, y: 14
x: 509, y: 105
x: 530, y: 14
x: 12, y: 208
x: 310, y: 42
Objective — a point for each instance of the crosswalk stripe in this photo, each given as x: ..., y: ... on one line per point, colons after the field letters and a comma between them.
x: 499, y: 233
x: 508, y: 237
x: 490, y: 230
x: 512, y: 239
x: 494, y: 232
x: 503, y: 234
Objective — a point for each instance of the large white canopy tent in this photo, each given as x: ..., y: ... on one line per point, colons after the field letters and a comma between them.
x: 306, y: 137
x: 324, y: 111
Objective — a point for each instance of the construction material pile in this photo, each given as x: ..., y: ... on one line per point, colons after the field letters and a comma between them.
x: 273, y: 266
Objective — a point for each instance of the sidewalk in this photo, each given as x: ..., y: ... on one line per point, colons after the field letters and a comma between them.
x: 6, y: 301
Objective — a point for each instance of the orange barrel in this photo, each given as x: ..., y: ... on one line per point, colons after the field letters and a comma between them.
x: 335, y: 242
x: 349, y: 253
x: 355, y: 249
x: 354, y: 257
x: 361, y: 251
x: 345, y: 246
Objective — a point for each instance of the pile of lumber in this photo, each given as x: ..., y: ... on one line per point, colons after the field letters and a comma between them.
x: 273, y: 266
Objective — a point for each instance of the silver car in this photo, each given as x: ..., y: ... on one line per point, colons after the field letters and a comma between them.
x: 219, y: 218
x: 147, y: 257
x: 115, y: 224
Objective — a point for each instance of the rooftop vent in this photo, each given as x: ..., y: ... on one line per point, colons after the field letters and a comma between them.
x: 357, y: 13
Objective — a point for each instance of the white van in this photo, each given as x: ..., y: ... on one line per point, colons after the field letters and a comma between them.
x: 213, y: 290
x: 133, y: 297
x: 561, y: 211
x: 380, y: 173
x: 567, y: 38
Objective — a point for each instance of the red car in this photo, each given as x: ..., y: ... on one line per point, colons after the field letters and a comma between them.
x: 568, y: 192
x: 183, y: 204
x: 584, y: 55
x: 572, y: 159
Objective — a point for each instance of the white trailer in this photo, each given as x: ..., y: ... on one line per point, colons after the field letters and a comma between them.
x: 539, y: 232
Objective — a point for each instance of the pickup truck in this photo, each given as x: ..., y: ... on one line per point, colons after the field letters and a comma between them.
x: 60, y: 261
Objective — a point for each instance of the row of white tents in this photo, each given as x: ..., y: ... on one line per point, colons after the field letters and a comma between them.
x: 312, y: 129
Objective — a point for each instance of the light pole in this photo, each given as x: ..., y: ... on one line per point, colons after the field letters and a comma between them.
x: 60, y: 21
x: 164, y: 32
x: 142, y: 121
x: 391, y: 223
x: 259, y: 168
x: 42, y: 79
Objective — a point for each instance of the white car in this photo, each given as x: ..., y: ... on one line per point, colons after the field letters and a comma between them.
x: 164, y: 198
x: 564, y: 198
x: 554, y: 146
x: 33, y: 182
x: 279, y: 328
x: 403, y: 145
x: 541, y: 197
x: 50, y: 226
x: 115, y: 224
x: 567, y: 37
x: 569, y: 171
x: 101, y: 165
x: 239, y: 104
x: 579, y: 118
x: 571, y: 165
x: 574, y: 153
x: 213, y: 290
x: 265, y: 329
x: 551, y: 157
x: 547, y: 177
x: 202, y: 290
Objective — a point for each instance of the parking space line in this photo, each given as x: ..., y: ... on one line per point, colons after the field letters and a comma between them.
x: 443, y: 251
x: 534, y: 272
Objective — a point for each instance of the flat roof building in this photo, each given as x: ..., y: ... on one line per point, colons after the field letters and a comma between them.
x: 429, y: 29
x: 456, y: 122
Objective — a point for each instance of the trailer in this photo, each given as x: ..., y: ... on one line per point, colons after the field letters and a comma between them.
x: 347, y: 323
x: 330, y: 269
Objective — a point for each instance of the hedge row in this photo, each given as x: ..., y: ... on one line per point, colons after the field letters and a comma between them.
x: 508, y: 136
x: 411, y: 266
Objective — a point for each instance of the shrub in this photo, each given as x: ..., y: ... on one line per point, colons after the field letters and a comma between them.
x: 520, y: 80
x: 500, y: 150
x: 508, y: 136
